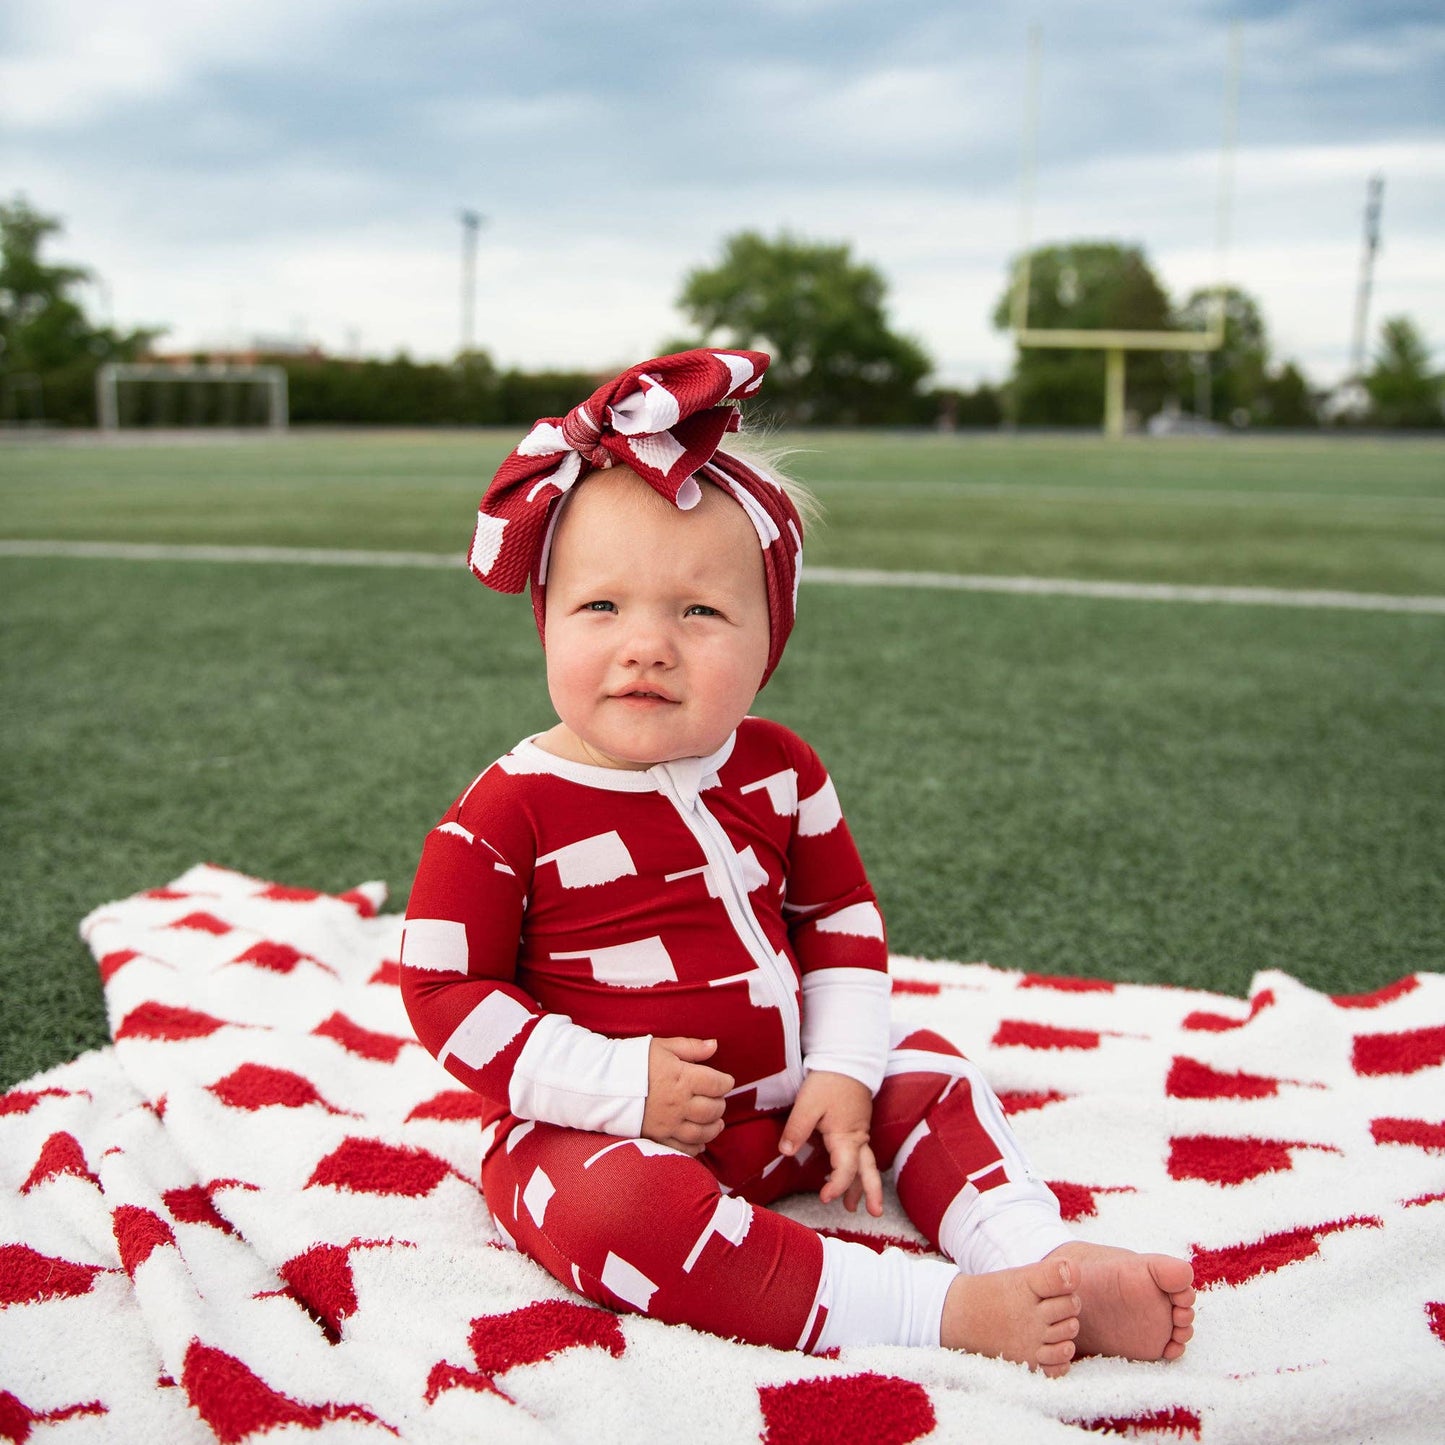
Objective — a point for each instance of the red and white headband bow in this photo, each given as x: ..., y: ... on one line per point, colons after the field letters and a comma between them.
x: 664, y: 419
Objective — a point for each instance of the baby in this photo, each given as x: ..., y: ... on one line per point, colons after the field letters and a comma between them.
x: 646, y: 939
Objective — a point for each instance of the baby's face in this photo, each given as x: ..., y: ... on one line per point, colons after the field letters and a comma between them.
x: 657, y: 622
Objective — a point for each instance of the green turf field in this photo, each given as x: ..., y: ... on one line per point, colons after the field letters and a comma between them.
x: 1361, y: 515
x: 1155, y: 791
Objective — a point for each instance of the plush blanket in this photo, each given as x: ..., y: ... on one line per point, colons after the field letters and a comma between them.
x: 257, y: 1213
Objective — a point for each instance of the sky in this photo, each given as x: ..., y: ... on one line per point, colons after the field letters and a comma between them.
x: 233, y: 169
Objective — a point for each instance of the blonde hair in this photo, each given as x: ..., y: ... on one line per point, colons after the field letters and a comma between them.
x: 762, y: 456
x: 767, y: 458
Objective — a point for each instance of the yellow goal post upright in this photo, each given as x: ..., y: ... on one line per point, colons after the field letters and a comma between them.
x: 1116, y: 344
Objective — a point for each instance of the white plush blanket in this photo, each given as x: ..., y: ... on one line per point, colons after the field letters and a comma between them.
x: 256, y: 1213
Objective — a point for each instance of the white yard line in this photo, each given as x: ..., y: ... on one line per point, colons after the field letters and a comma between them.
x: 1184, y: 496
x: 1127, y: 591
x: 191, y: 552
x: 836, y: 576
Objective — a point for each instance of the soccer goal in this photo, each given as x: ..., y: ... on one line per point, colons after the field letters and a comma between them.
x: 151, y: 394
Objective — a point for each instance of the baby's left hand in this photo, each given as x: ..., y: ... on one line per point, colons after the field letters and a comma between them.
x: 840, y: 1109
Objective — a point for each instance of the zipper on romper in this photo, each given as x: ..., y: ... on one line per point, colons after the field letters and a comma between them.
x: 720, y: 854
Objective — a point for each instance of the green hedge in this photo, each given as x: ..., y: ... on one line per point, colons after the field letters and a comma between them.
x: 395, y: 392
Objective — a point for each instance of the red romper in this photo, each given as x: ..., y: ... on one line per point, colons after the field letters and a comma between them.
x: 563, y: 914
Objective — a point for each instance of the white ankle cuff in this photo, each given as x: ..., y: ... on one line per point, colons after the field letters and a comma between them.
x: 1001, y: 1228
x: 891, y: 1298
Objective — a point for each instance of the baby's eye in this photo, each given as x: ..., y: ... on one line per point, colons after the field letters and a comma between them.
x: 701, y: 609
x: 600, y: 605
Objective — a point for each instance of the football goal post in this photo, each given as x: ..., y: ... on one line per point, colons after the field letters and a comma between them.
x: 158, y: 394
x: 1116, y: 344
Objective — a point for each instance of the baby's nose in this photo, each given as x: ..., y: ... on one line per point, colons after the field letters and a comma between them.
x: 650, y: 644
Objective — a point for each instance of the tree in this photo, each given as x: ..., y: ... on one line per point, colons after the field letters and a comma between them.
x: 820, y: 314
x: 1236, y: 371
x: 1403, y: 390
x: 45, y: 337
x: 1088, y: 285
x: 1286, y: 399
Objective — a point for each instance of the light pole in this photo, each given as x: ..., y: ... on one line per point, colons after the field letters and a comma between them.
x: 1374, y: 196
x: 471, y: 224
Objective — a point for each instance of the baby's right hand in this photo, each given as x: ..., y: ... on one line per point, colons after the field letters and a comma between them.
x: 685, y: 1098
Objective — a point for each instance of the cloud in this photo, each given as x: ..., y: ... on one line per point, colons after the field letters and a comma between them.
x: 70, y: 63
x: 231, y: 166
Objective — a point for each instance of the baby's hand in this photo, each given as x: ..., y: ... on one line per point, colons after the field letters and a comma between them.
x: 840, y: 1109
x: 685, y: 1098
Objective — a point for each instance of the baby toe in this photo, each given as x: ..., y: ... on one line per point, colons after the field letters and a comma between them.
x: 1054, y: 1359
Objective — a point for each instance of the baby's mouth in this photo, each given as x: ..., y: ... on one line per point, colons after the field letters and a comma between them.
x: 643, y: 694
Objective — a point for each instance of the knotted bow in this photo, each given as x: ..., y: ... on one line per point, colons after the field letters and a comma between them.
x: 665, y: 419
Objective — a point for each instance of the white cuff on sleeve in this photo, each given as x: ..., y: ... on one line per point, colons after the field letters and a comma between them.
x: 571, y: 1076
x: 846, y: 1023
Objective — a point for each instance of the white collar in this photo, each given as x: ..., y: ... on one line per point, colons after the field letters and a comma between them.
x: 689, y: 776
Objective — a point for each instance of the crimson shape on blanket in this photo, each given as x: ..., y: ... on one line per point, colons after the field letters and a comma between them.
x: 538, y: 1331
x: 881, y: 1409
x: 1235, y: 1264
x: 60, y: 1154
x: 1019, y: 1033
x: 22, y: 1101
x: 1080, y: 1201
x: 236, y: 1402
x: 193, y: 1204
x: 320, y: 1281
x: 1020, y: 1100
x: 367, y: 1166
x: 1190, y: 1079
x: 877, y: 1242
x: 1176, y: 1421
x: 112, y: 963
x: 450, y: 1104
x: 138, y: 1234
x: 1062, y: 984
x: 1435, y: 1313
x: 526, y: 1336
x: 1222, y: 1159
x: 288, y: 893
x: 1388, y: 994
x: 17, y: 1418
x: 1214, y: 1023
x: 361, y: 901
x: 383, y: 1048
x: 257, y: 1086
x: 202, y: 922
x: 1403, y: 1053
x: 28, y: 1277
x: 277, y: 957
x: 1422, y: 1133
x: 916, y: 985
x: 153, y: 1020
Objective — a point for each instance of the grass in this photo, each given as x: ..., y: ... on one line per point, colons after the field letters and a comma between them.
x: 1164, y: 793
x: 1361, y: 515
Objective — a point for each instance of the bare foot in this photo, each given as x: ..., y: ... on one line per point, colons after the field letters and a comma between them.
x: 1027, y: 1315
x: 1138, y: 1306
